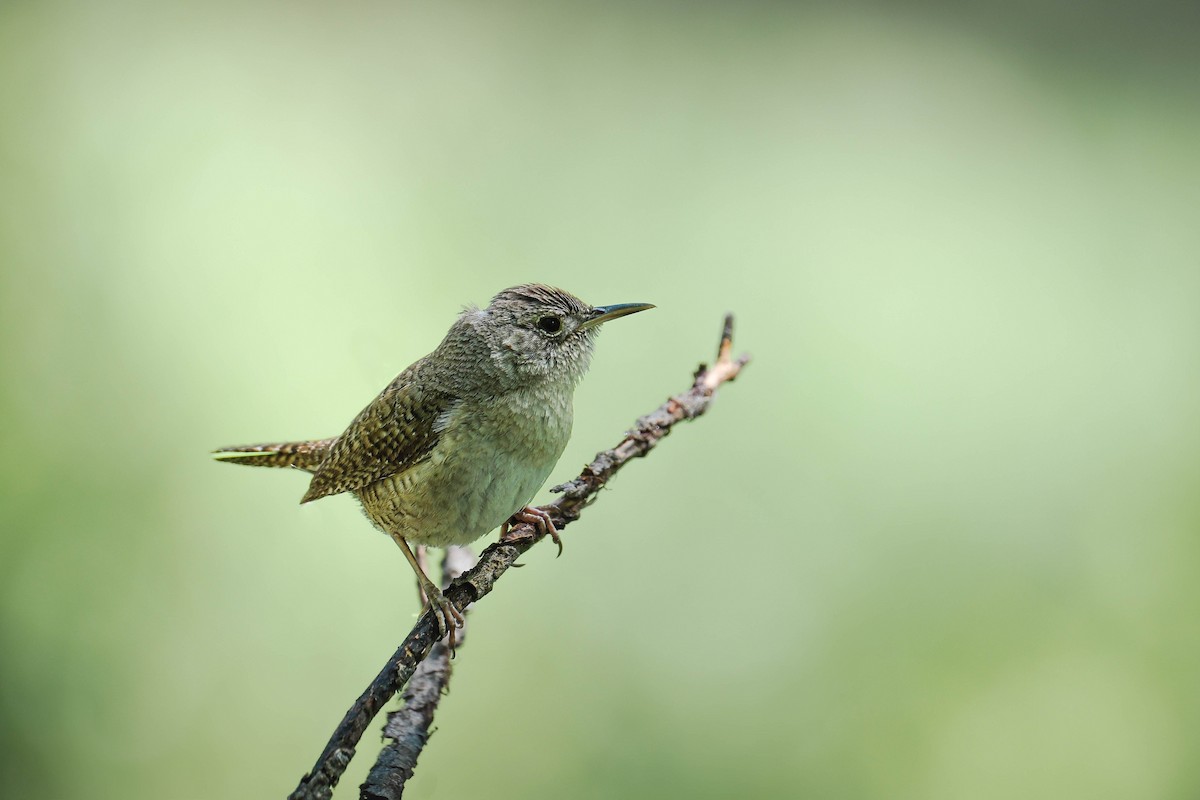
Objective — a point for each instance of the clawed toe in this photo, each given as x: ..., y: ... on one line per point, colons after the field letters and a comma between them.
x: 447, y: 617
x: 538, y: 519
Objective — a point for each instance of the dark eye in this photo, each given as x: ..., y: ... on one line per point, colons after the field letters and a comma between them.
x: 550, y: 325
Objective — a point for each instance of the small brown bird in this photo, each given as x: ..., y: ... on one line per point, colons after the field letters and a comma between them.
x: 459, y: 442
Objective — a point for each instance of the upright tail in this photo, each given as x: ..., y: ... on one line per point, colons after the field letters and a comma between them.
x: 302, y: 455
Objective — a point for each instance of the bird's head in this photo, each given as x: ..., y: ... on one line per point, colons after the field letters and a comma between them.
x: 538, y: 331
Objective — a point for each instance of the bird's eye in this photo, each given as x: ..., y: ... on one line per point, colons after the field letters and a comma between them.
x: 549, y: 325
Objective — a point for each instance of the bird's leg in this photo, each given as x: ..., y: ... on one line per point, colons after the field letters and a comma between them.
x: 446, y: 615
x: 538, y: 519
x: 422, y: 554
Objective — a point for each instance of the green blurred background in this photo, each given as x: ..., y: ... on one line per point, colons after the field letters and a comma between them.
x: 940, y: 540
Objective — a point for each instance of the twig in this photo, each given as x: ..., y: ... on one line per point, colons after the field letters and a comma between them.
x: 498, y: 557
x: 408, y: 729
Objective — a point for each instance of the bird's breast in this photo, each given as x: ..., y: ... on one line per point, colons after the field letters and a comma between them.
x: 491, y: 458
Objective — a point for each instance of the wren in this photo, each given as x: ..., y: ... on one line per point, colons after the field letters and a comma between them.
x: 458, y: 444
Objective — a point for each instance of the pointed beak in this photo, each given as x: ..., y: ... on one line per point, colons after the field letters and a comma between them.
x: 602, y: 314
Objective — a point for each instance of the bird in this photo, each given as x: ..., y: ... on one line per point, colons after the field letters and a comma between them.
x: 458, y: 444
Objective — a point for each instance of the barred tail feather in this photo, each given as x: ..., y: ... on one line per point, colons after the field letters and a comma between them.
x: 302, y: 455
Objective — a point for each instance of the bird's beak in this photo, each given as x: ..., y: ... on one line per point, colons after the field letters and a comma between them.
x: 602, y: 314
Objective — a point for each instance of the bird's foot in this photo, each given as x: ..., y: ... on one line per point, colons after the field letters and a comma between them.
x: 538, y: 519
x: 448, y: 618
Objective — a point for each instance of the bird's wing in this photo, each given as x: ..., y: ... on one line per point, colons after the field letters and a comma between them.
x: 397, y: 430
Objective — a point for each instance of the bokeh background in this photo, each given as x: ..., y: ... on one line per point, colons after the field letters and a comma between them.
x: 939, y: 541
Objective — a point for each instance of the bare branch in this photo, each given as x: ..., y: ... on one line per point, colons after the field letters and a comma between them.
x: 408, y: 729
x: 494, y: 561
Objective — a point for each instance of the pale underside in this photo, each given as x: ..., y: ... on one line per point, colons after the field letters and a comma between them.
x: 489, y: 461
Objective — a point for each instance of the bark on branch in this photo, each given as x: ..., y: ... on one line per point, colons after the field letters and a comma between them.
x: 408, y: 729
x: 574, y: 496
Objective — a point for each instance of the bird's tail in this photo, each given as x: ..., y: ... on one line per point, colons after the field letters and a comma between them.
x: 302, y: 455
